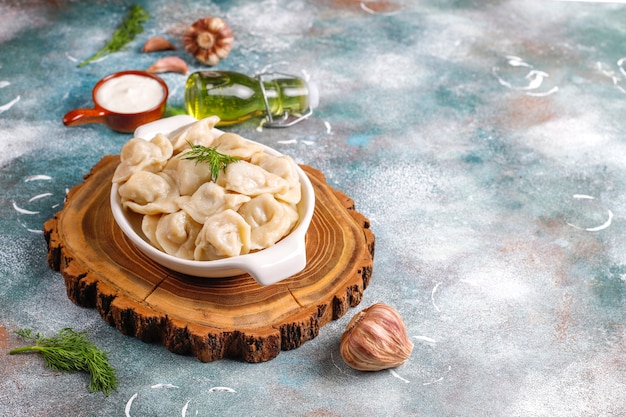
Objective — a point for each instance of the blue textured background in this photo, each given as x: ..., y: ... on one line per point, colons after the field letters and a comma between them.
x: 473, y: 177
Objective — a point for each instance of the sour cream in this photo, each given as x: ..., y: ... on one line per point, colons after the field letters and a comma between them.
x: 130, y: 93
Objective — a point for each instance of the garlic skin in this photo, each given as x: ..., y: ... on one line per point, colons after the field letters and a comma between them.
x: 209, y: 40
x: 375, y: 339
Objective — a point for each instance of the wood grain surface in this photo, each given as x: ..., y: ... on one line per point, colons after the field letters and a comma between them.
x: 210, y: 318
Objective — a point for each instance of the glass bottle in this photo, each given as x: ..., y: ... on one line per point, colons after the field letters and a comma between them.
x: 234, y: 97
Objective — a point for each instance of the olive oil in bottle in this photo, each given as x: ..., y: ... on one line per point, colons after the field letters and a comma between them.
x: 235, y: 97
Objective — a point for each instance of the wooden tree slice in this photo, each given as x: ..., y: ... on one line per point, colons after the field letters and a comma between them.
x: 210, y: 318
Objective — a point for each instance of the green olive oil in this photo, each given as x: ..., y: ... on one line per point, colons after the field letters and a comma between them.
x: 235, y: 97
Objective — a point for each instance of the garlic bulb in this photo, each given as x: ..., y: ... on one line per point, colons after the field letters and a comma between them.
x: 375, y: 339
x: 209, y: 40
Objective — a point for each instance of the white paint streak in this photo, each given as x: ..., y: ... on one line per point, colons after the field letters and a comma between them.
x: 4, y: 84
x: 597, y: 228
x: 329, y: 130
x: 70, y: 57
x: 396, y: 375
x: 38, y: 178
x: 129, y: 403
x: 592, y: 229
x: 615, y: 79
x: 620, y: 64
x: 583, y: 197
x: 608, y: 72
x: 23, y: 211
x: 8, y: 105
x: 433, y: 382
x: 602, y: 226
x: 425, y: 339
x: 367, y: 9
x: 39, y: 196
x: 159, y: 386
x: 184, y: 410
x: 534, y: 77
x: 516, y: 61
x: 438, y: 379
x: 372, y: 11
x: 288, y: 142
x: 432, y: 296
x: 544, y: 94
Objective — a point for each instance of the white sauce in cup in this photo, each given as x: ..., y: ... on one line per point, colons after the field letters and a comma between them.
x: 130, y: 93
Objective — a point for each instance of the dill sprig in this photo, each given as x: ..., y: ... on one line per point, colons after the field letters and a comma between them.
x: 71, y: 351
x: 126, y: 32
x: 217, y: 161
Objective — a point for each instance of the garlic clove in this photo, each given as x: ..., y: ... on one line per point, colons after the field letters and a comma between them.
x: 375, y: 339
x: 169, y: 64
x: 209, y: 39
x: 157, y: 44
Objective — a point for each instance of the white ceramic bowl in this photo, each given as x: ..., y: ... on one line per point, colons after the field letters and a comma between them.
x: 268, y: 266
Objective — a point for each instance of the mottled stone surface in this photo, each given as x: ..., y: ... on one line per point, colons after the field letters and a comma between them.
x: 483, y: 139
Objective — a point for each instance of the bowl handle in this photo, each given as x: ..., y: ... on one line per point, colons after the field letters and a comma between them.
x: 84, y: 116
x: 278, y: 265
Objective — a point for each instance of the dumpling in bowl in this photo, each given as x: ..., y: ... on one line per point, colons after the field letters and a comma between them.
x: 197, y: 133
x: 149, y: 193
x: 284, y: 167
x: 141, y: 155
x: 176, y: 233
x: 189, y: 174
x: 234, y: 145
x: 223, y: 235
x: 249, y: 179
x: 269, y: 220
x: 208, y: 200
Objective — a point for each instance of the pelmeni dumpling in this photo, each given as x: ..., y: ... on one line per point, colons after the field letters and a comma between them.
x: 269, y: 220
x: 208, y: 200
x: 176, y: 233
x: 149, y: 193
x: 189, y: 174
x: 249, y: 179
x: 234, y: 145
x: 197, y: 133
x: 149, y: 224
x: 284, y: 167
x: 141, y: 155
x: 223, y: 235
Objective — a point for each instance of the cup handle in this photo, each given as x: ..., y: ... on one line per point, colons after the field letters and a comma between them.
x: 84, y: 116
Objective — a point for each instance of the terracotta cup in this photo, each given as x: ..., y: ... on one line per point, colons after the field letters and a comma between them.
x: 121, y: 122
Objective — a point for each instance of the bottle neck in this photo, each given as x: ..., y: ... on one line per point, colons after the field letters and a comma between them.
x: 285, y: 94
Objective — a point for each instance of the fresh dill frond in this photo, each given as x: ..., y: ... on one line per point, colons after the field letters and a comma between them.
x: 217, y: 161
x: 126, y: 32
x: 71, y: 351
